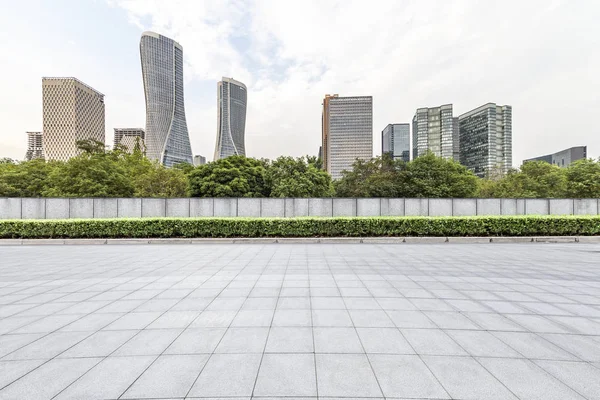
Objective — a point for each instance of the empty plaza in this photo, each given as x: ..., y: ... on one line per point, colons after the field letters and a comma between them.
x: 300, y: 321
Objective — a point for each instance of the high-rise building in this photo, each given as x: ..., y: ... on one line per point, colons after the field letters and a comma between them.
x: 486, y: 139
x: 35, y: 146
x: 563, y: 158
x: 167, y: 138
x: 232, y: 98
x: 433, y: 130
x: 455, y: 139
x: 395, y: 141
x: 347, y: 132
x: 130, y: 138
x: 199, y: 160
x: 72, y: 111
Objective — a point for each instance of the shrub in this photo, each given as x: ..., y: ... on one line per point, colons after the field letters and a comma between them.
x: 301, y: 227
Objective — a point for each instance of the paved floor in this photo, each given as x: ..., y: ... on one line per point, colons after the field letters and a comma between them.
x: 487, y: 321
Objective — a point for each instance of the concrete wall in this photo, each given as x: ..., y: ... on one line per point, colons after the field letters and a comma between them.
x: 55, y: 208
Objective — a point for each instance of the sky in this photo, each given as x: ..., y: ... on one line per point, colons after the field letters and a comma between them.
x: 539, y: 56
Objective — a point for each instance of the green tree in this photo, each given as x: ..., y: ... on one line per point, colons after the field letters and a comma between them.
x: 297, y: 177
x: 583, y: 179
x: 535, y: 179
x: 432, y: 176
x: 94, y: 173
x: 25, y: 179
x: 234, y: 176
x: 378, y: 177
x: 159, y: 181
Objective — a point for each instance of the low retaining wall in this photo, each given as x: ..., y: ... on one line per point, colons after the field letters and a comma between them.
x: 59, y: 208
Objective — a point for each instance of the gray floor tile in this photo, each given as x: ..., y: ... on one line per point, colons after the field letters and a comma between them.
x: 346, y: 375
x: 327, y: 303
x: 371, y: 319
x: 227, y: 375
x: 482, y: 344
x: 148, y: 342
x: 134, y: 320
x: 410, y: 319
x: 405, y: 376
x: 48, y: 380
x: 91, y: 322
x: 384, y: 341
x: 196, y: 341
x: 337, y: 340
x: 294, y: 303
x: 432, y: 342
x: 582, y: 377
x: 121, y: 372
x: 10, y: 343
x: 169, y: 376
x: 12, y: 370
x: 586, y: 348
x: 47, y: 347
x: 494, y: 322
x: 533, y: 346
x: 253, y: 318
x: 243, y: 340
x: 451, y: 320
x: 213, y: 319
x: 290, y: 340
x: 331, y: 318
x: 480, y: 384
x: 100, y: 344
x: 286, y: 375
x: 528, y: 381
x: 174, y: 320
x: 292, y: 318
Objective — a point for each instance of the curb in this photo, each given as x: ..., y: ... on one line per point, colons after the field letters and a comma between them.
x: 332, y: 240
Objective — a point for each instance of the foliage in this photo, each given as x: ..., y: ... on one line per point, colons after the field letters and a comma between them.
x: 26, y: 179
x: 159, y: 181
x: 297, y: 177
x: 431, y: 176
x: 583, y: 179
x: 302, y: 227
x: 536, y: 179
x: 235, y: 176
x: 426, y: 176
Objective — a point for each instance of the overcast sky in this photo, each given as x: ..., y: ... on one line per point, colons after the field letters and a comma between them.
x: 540, y: 56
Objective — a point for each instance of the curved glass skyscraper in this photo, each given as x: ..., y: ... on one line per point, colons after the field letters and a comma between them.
x: 167, y: 138
x: 232, y: 98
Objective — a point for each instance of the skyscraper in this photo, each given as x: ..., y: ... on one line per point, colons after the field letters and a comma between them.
x: 433, y: 130
x: 72, y: 111
x: 199, y: 160
x: 395, y: 141
x: 232, y: 97
x: 167, y: 138
x: 347, y: 132
x: 486, y: 139
x: 129, y: 138
x: 35, y: 146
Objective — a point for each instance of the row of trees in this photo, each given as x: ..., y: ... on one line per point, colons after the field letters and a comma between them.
x: 99, y: 172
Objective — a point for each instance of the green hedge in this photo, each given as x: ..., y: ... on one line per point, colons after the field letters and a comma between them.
x: 301, y: 227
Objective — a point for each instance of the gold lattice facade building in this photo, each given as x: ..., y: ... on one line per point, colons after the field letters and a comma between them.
x: 72, y: 111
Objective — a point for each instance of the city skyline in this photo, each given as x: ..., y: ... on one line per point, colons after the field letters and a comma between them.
x: 288, y: 76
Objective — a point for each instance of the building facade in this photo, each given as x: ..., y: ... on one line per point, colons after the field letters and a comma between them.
x: 35, y: 146
x: 167, y: 138
x: 347, y: 132
x: 232, y: 100
x: 486, y: 139
x: 563, y: 158
x: 395, y: 141
x: 433, y: 130
x: 130, y: 138
x: 199, y: 160
x: 72, y: 111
